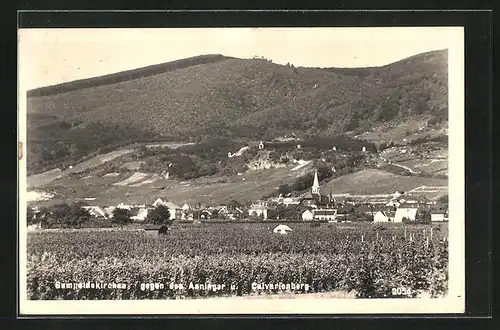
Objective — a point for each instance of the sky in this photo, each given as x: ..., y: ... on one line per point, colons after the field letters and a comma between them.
x: 52, y: 56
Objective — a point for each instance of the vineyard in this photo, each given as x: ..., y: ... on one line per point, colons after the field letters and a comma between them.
x: 369, y: 261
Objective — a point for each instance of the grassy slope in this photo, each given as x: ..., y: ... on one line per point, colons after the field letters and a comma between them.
x: 378, y: 182
x: 212, y: 190
x: 256, y: 93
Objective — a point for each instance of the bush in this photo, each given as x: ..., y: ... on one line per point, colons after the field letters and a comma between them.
x: 159, y: 215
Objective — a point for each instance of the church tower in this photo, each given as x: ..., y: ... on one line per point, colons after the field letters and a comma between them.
x: 315, y: 186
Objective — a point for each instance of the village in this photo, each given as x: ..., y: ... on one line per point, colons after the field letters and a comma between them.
x: 313, y: 207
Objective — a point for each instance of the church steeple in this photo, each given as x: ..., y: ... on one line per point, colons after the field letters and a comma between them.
x: 315, y: 186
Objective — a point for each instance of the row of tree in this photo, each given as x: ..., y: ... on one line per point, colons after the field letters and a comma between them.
x: 76, y: 216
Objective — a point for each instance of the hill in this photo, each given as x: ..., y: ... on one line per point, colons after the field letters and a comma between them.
x: 373, y: 182
x: 215, y: 97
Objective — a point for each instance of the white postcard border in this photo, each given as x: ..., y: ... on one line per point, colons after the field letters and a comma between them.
x: 453, y: 303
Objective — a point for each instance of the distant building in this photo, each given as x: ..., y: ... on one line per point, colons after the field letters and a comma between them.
x: 315, y: 198
x: 439, y: 212
x: 325, y: 214
x: 96, y: 211
x: 384, y: 216
x: 175, y: 211
x: 124, y: 206
x: 109, y: 211
x: 307, y: 215
x: 409, y: 213
x: 140, y: 215
x: 258, y: 210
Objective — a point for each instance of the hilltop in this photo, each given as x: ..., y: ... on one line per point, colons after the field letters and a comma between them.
x: 213, y: 96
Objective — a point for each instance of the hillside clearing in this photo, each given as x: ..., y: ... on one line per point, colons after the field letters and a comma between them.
x: 372, y: 181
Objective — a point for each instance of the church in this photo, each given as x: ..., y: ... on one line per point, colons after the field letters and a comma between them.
x: 316, y: 199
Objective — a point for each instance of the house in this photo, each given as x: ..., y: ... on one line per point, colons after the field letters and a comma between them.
x: 139, y: 214
x: 35, y: 226
x: 175, y: 211
x: 289, y: 201
x: 124, y: 206
x: 282, y: 229
x: 365, y: 208
x: 205, y: 214
x: 437, y: 216
x: 409, y: 213
x: 222, y: 210
x: 109, y: 211
x: 96, y: 211
x: 152, y: 229
x: 325, y: 214
x: 184, y: 211
x: 439, y: 212
x: 307, y: 215
x: 384, y: 216
x: 258, y: 210
x: 393, y: 203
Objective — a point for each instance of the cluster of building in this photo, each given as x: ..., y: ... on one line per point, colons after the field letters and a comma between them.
x: 314, y: 206
x: 139, y: 212
x: 397, y: 209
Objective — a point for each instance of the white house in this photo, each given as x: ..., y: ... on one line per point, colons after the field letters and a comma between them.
x: 96, y: 211
x: 290, y: 201
x: 384, y: 216
x: 403, y: 212
x: 35, y: 226
x: 282, y: 229
x: 184, y: 210
x: 393, y: 203
x: 142, y: 214
x: 307, y: 215
x: 109, y: 211
x: 175, y: 211
x: 124, y: 206
x: 258, y: 210
x: 325, y: 214
x: 437, y: 217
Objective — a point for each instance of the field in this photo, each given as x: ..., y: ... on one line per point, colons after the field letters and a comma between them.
x: 251, y: 185
x: 362, y: 260
x: 372, y: 182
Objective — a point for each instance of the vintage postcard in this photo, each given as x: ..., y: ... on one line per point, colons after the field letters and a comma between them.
x: 241, y: 171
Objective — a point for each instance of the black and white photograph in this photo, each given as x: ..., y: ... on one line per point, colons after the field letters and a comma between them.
x: 241, y: 170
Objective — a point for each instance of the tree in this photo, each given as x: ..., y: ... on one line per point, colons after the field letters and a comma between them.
x: 77, y: 215
x: 443, y: 199
x: 30, y: 216
x: 423, y: 216
x: 60, y: 213
x: 233, y: 204
x: 121, y: 216
x: 159, y: 216
x: 284, y: 189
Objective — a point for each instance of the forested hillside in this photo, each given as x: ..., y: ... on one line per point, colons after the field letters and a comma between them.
x: 213, y: 96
